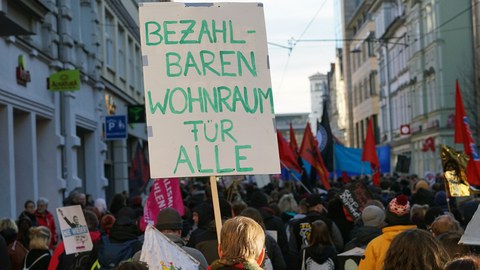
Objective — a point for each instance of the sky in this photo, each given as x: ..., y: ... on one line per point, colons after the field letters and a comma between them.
x: 296, y: 20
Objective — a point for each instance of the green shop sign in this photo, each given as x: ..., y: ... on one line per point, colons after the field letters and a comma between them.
x: 65, y: 80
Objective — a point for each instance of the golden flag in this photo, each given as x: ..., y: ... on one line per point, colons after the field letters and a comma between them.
x: 454, y: 168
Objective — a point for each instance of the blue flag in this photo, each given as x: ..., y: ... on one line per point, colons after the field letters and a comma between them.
x: 349, y: 160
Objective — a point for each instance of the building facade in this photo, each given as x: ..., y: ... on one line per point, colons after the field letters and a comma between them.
x: 318, y: 94
x: 363, y: 72
x: 53, y: 142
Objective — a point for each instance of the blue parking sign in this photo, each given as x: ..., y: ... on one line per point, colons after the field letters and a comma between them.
x: 115, y: 127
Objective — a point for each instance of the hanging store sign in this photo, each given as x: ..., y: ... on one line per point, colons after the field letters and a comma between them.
x: 22, y: 75
x: 64, y: 80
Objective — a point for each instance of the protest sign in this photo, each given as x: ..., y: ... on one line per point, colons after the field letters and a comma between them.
x: 354, y: 198
x: 164, y: 193
x: 209, y: 100
x: 161, y: 253
x: 472, y: 233
x: 73, y: 225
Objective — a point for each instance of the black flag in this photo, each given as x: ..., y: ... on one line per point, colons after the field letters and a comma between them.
x: 325, y: 139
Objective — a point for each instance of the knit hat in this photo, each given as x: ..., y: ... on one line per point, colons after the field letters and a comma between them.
x: 398, y: 211
x: 169, y: 219
x: 373, y: 216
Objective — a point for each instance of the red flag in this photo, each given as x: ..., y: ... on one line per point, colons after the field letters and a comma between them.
x: 370, y: 154
x: 463, y: 135
x: 310, y: 153
x: 140, y: 170
x: 287, y: 157
x: 293, y: 141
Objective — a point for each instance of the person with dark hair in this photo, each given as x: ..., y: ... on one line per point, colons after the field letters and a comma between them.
x: 301, y: 228
x: 469, y: 262
x: 398, y: 220
x: 169, y: 223
x: 403, y: 252
x: 29, y: 212
x: 273, y: 252
x: 205, y: 239
x: 118, y: 202
x: 449, y: 241
x: 124, y: 239
x: 320, y: 252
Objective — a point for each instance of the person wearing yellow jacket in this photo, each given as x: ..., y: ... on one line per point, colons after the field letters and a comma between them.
x: 398, y: 220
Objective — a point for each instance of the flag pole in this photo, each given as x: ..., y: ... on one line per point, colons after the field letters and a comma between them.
x: 216, y: 205
x: 294, y: 176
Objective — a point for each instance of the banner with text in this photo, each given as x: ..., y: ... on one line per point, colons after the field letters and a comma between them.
x: 208, y: 94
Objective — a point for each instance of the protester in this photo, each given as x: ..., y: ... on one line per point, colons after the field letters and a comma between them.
x: 118, y: 202
x: 134, y: 265
x: 417, y: 215
x: 398, y: 220
x: 273, y: 253
x: 169, y: 222
x: 288, y: 207
x: 24, y: 225
x: 83, y: 260
x: 241, y: 246
x: 469, y: 262
x: 373, y: 219
x: 445, y: 223
x: 449, y: 242
x: 45, y: 218
x: 38, y: 257
x: 29, y: 212
x: 16, y: 251
x: 403, y: 252
x: 301, y: 228
x: 259, y: 200
x: 206, y: 240
x: 101, y: 205
x: 123, y: 242
x: 4, y: 259
x: 321, y: 252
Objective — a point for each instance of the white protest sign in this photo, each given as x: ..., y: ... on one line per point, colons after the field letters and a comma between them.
x: 74, y: 229
x: 471, y: 236
x: 160, y: 253
x: 208, y: 94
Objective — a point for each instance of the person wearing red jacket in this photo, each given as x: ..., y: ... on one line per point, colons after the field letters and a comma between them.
x: 84, y: 260
x: 45, y: 218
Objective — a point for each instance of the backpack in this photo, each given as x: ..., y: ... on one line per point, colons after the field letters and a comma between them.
x: 111, y: 254
x: 311, y: 264
x: 37, y: 260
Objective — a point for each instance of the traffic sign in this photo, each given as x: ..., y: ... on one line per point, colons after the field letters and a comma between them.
x: 115, y: 127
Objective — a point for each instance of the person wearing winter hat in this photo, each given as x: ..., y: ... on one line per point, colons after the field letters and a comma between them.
x: 169, y: 222
x: 373, y: 218
x: 398, y: 220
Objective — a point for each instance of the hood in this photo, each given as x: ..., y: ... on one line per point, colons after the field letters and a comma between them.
x: 390, y: 232
x: 321, y: 253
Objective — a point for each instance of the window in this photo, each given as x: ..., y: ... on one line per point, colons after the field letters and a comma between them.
x: 109, y: 35
x: 121, y: 52
x: 373, y: 83
x: 131, y: 64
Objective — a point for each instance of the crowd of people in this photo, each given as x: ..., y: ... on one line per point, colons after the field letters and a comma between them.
x: 408, y: 223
